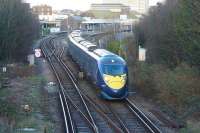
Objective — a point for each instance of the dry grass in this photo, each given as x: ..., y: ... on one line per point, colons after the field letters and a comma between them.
x: 24, y: 71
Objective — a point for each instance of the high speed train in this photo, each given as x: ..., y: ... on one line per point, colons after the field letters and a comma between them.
x: 105, y: 69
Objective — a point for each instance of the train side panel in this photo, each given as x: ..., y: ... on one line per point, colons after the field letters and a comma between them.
x: 85, y: 61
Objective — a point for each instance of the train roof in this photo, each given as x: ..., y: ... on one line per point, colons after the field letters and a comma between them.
x: 76, y: 35
x: 78, y: 39
x: 103, y: 53
x: 85, y: 46
x: 89, y: 47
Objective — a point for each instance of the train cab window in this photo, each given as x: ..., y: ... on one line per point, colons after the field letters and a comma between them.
x: 113, y: 69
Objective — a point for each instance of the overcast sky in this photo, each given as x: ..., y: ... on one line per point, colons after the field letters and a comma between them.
x: 73, y: 4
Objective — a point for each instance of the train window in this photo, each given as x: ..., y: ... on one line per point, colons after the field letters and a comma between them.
x: 79, y: 39
x: 113, y: 69
x: 92, y: 48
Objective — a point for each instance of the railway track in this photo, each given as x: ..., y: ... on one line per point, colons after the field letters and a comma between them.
x: 69, y: 110
x: 69, y: 127
x: 121, y: 116
x: 127, y: 116
x: 78, y: 115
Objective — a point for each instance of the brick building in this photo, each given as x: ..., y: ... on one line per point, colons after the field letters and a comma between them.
x: 42, y: 10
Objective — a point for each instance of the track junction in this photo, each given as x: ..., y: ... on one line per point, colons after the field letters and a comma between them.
x: 81, y: 113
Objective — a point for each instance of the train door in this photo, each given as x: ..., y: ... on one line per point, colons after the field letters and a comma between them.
x: 95, y: 70
x: 90, y: 67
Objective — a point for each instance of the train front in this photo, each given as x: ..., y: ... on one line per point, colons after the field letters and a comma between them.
x: 113, y: 78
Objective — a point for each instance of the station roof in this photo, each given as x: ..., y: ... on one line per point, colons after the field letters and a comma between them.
x: 99, y: 21
x: 107, y: 21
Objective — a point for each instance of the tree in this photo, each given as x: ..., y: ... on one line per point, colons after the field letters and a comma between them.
x: 188, y: 30
x: 18, y: 28
x: 114, y: 47
x: 170, y: 32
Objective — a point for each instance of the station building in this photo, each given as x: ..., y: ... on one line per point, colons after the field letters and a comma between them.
x: 50, y: 21
x: 108, y: 25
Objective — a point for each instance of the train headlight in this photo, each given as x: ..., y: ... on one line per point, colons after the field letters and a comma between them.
x: 106, y: 78
x: 124, y: 77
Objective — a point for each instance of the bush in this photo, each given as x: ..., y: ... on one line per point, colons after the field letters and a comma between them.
x: 114, y: 47
x: 177, y: 87
x: 144, y: 78
x: 191, y: 128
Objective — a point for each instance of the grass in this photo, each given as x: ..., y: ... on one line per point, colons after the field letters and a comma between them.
x: 27, y: 92
x: 35, y: 118
x: 8, y: 109
x: 35, y: 121
x: 191, y: 128
x: 3, y: 92
x: 5, y: 129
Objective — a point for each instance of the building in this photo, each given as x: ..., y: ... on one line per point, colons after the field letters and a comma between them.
x: 71, y: 23
x: 50, y: 21
x: 140, y: 6
x: 42, y: 10
x: 26, y: 4
x: 108, y: 25
x: 24, y: 1
x: 113, y: 7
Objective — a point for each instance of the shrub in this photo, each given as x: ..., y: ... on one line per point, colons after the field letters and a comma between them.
x: 177, y: 88
x: 144, y: 78
x: 22, y: 71
x: 114, y: 47
x: 118, y: 47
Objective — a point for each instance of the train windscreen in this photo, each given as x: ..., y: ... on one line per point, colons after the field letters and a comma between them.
x: 114, y: 70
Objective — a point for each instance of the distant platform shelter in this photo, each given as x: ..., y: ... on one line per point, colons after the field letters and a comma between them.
x: 105, y: 25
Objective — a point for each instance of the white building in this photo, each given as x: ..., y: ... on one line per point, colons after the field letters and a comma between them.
x: 113, y: 7
x: 140, y: 6
x: 53, y: 17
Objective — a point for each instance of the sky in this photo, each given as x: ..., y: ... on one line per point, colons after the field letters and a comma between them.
x: 73, y: 4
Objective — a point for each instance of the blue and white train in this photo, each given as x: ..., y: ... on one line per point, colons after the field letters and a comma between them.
x: 106, y: 70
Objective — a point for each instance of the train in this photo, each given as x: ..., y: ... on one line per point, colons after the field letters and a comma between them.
x: 107, y: 71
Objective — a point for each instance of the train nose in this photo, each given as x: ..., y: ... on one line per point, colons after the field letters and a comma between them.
x: 113, y: 94
x: 115, y: 82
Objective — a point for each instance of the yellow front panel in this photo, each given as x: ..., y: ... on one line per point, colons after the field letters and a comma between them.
x: 115, y: 82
